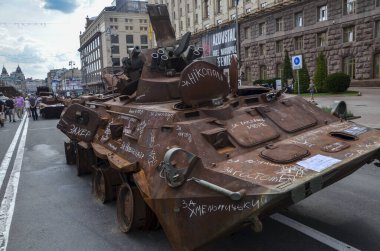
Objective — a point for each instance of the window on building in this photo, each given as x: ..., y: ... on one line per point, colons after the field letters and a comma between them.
x: 130, y: 28
x: 188, y: 22
x: 322, y: 13
x: 196, y: 19
x: 180, y: 12
x: 376, y: 65
x: 279, y: 70
x: 247, y: 74
x: 349, y: 66
x: 247, y: 52
x: 180, y: 25
x: 321, y: 39
x: 144, y: 39
x: 246, y: 32
x: 126, y: 27
x: 115, y: 39
x: 263, y: 72
x: 115, y: 49
x: 206, y: 9
x: 129, y: 39
x: 195, y: 4
x: 218, y: 6
x: 298, y: 43
x: 349, y: 7
x: 298, y: 19
x: 232, y: 3
x: 377, y: 3
x: 279, y: 24
x: 262, y: 50
x: 349, y: 34
x: 377, y: 29
x: 279, y: 46
x: 262, y: 29
x: 115, y: 61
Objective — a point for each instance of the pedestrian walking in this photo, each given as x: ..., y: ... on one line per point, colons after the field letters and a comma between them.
x: 10, y: 106
x: 33, y: 107
x: 312, y: 89
x: 27, y: 107
x: 19, y: 106
x: 2, y: 113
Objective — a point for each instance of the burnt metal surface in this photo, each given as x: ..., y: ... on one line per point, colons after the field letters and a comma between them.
x: 204, y: 158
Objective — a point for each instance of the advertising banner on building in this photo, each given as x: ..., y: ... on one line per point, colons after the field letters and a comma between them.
x: 220, y: 43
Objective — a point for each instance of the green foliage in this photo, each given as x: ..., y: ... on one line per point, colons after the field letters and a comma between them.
x: 287, y: 71
x: 338, y: 82
x: 320, y: 74
x: 304, y: 78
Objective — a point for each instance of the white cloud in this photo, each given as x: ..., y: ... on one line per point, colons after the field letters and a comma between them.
x: 40, y: 39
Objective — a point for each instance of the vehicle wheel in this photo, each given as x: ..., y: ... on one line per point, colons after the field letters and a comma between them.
x: 132, y: 211
x: 70, y: 152
x: 100, y: 186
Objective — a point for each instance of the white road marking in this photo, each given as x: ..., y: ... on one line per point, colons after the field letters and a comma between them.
x: 8, y: 156
x: 9, y: 200
x: 315, y: 234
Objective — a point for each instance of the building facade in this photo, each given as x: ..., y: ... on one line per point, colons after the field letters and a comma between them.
x: 346, y: 31
x: 200, y: 15
x: 108, y: 38
x: 15, y: 79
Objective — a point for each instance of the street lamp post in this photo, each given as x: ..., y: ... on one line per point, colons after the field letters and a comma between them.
x: 71, y: 65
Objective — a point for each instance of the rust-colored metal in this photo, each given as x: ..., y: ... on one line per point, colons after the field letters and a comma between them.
x: 205, y: 159
x: 50, y: 105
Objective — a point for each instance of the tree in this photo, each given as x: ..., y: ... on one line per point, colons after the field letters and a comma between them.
x: 320, y: 74
x: 304, y: 78
x: 287, y: 71
x: 338, y: 82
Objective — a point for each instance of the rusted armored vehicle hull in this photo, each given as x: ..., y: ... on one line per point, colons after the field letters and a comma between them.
x: 50, y: 106
x: 202, y: 156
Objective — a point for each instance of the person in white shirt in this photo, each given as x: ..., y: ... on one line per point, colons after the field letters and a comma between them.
x: 27, y: 107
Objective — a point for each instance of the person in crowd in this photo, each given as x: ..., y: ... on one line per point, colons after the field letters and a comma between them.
x: 10, y: 105
x: 27, y: 107
x: 19, y: 106
x: 33, y: 107
x: 312, y: 90
x: 2, y: 113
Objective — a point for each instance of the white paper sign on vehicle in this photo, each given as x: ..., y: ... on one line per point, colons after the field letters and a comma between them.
x: 318, y: 162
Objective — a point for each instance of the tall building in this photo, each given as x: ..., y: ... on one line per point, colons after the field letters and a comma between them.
x: 108, y: 37
x: 200, y: 15
x: 346, y: 31
x: 15, y: 79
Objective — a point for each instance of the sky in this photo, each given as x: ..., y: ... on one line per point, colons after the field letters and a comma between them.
x: 40, y: 35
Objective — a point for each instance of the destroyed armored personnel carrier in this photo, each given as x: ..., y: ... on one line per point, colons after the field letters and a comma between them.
x: 50, y: 106
x: 182, y: 146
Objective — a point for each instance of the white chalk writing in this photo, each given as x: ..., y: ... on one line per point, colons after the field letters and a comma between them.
x: 199, y: 73
x: 250, y: 124
x: 81, y: 132
x: 128, y: 148
x: 182, y: 134
x: 136, y: 111
x: 165, y: 115
x: 114, y: 148
x: 197, y: 209
x: 285, y: 174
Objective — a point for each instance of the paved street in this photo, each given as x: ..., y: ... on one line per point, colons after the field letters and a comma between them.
x: 55, y: 210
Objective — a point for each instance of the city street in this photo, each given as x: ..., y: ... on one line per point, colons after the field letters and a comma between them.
x: 55, y: 210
